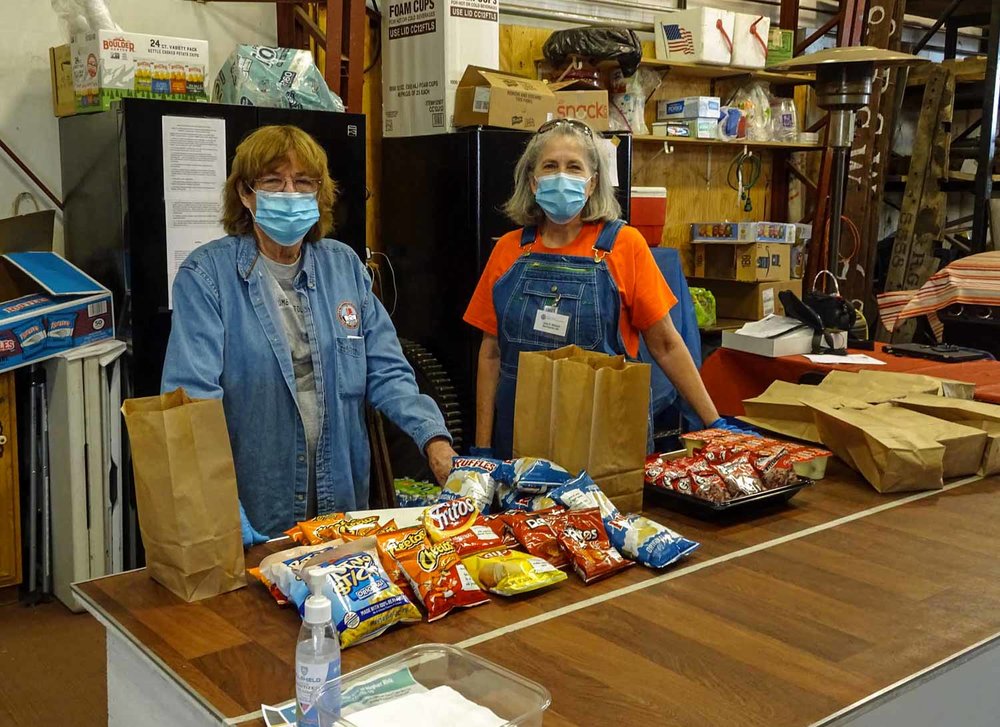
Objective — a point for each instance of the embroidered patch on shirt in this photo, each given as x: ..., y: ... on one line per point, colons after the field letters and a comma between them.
x: 348, y: 315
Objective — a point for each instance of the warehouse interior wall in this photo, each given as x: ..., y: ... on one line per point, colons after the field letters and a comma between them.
x: 29, y: 27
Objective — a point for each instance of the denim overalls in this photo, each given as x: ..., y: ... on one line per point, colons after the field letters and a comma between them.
x: 579, y: 287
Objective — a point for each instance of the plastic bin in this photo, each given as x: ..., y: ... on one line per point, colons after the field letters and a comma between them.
x: 510, y: 697
x: 649, y: 212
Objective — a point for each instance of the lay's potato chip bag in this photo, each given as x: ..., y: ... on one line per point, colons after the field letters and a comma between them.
x: 510, y: 573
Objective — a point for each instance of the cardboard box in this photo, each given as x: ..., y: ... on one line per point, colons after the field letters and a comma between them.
x: 747, y: 301
x: 781, y: 232
x: 578, y: 101
x: 426, y: 47
x: 755, y: 262
x: 50, y: 306
x: 492, y: 98
x: 691, y: 107
x: 687, y: 129
x: 108, y: 65
x: 780, y: 46
x: 61, y: 78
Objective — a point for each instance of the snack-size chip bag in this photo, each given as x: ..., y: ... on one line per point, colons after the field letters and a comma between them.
x: 438, y: 577
x: 298, y: 534
x: 511, y: 499
x: 534, y: 532
x: 582, y: 535
x: 472, y: 477
x: 448, y: 519
x: 582, y: 493
x: 654, y: 545
x: 533, y: 476
x: 739, y: 476
x: 279, y: 570
x: 480, y: 538
x: 399, y: 543
x: 509, y: 573
x: 774, y: 464
x: 708, y: 486
x: 499, y: 526
x: 365, y: 601
x: 339, y: 525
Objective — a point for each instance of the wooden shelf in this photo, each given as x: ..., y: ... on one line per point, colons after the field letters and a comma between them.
x: 683, y: 141
x: 723, y: 73
x: 715, y: 73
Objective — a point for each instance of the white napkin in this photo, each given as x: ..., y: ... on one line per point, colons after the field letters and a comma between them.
x: 438, y: 706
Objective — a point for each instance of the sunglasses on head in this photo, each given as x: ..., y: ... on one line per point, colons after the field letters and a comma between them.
x: 572, y: 123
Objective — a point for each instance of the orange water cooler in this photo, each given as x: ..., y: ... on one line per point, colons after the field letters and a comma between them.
x: 649, y: 211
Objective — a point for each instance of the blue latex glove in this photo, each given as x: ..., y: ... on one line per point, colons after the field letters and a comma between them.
x: 722, y: 423
x: 250, y: 536
x: 481, y: 452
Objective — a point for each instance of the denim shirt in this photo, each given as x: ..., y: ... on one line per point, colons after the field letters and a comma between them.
x: 226, y: 342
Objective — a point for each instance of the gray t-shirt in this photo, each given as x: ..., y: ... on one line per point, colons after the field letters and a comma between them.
x: 293, y: 321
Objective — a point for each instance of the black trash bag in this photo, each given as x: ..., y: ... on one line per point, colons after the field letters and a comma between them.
x: 596, y: 44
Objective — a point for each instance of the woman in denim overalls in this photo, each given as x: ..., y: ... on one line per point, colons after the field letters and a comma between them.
x: 569, y: 276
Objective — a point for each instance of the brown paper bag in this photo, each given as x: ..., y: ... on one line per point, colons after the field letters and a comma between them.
x: 586, y: 411
x: 891, y: 458
x: 877, y: 391
x: 783, y: 409
x: 919, y: 383
x: 963, y: 446
x: 977, y: 414
x: 185, y: 487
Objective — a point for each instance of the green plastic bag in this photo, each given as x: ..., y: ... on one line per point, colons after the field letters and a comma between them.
x: 704, y: 307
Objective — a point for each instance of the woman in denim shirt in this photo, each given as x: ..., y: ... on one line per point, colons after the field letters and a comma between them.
x: 282, y: 325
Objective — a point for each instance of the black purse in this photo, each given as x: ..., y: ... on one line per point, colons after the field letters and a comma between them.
x: 836, y: 313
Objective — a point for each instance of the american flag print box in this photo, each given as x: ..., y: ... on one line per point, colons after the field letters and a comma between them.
x: 701, y: 35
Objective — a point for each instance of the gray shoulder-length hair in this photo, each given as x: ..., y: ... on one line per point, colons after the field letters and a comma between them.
x: 522, y: 207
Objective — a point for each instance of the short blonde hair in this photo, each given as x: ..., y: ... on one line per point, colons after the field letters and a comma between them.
x: 260, y: 152
x: 522, y: 207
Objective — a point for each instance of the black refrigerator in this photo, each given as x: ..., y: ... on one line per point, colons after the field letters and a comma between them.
x: 442, y: 200
x: 115, y: 219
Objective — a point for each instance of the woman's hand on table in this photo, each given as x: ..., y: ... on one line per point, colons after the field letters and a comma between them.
x: 439, y: 456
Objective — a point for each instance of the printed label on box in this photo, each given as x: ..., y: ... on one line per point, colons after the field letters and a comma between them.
x: 481, y: 104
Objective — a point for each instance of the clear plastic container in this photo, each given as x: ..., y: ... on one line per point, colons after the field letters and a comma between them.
x: 510, y: 697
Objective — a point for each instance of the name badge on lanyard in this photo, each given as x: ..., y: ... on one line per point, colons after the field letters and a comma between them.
x: 549, y: 320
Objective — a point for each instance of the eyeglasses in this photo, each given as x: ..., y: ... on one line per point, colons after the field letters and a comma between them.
x: 572, y: 123
x: 275, y: 183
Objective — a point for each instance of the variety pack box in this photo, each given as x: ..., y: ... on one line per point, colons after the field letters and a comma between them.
x: 108, y: 65
x: 426, y: 47
x: 578, y: 101
x: 49, y: 306
x: 776, y: 232
x: 492, y: 98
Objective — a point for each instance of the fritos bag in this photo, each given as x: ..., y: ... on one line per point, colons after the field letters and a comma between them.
x: 448, y: 519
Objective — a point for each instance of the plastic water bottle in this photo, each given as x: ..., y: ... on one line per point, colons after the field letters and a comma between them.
x: 317, y: 652
x: 785, y: 120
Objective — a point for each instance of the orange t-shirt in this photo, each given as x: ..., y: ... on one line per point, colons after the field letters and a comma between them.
x: 645, y: 295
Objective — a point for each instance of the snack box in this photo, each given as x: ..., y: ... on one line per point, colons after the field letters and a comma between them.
x: 748, y: 263
x: 419, y: 670
x: 109, y: 65
x: 578, y: 101
x: 777, y: 232
x: 689, y: 128
x: 691, y: 107
x: 50, y: 307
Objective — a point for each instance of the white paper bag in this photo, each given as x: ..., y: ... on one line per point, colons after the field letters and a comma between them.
x: 750, y: 40
x: 701, y: 35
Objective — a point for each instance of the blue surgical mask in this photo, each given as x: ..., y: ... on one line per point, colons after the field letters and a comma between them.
x: 286, y: 217
x: 561, y: 196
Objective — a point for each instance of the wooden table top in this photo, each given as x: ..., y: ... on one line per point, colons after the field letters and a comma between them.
x: 778, y: 620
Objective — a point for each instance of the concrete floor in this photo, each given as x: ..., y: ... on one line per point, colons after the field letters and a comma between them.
x: 52, y: 667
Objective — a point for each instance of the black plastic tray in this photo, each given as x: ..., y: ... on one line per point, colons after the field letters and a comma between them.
x: 738, y: 505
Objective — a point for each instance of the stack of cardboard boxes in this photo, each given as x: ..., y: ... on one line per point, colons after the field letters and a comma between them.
x: 745, y: 265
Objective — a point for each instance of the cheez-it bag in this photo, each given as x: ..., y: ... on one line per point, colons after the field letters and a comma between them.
x: 586, y: 411
x: 185, y: 488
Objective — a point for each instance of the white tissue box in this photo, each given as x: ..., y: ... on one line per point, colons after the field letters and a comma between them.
x: 702, y: 35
